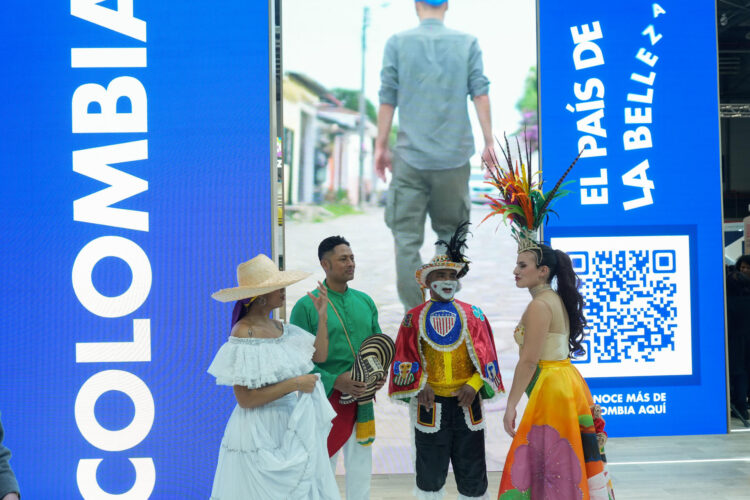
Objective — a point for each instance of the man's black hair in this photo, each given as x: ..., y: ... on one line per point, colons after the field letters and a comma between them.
x: 328, y: 244
x: 745, y: 259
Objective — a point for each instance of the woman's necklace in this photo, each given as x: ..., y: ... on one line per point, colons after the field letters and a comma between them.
x: 536, y: 290
x: 264, y: 323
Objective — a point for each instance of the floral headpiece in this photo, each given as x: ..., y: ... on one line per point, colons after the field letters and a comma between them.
x: 521, y: 199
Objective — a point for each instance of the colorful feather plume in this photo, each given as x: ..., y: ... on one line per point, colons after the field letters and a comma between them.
x: 521, y: 198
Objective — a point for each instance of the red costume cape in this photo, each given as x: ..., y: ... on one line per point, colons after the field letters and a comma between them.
x: 408, y: 374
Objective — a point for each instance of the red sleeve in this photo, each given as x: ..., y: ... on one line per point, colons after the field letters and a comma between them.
x: 406, y: 370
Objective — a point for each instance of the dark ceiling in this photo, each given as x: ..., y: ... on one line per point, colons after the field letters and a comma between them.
x: 733, y: 23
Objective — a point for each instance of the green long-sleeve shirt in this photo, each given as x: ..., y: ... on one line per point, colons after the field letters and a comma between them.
x: 360, y: 316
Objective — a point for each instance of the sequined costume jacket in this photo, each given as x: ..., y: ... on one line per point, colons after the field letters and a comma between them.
x: 444, y: 327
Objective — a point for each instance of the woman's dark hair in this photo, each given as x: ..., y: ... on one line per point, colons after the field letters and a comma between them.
x: 745, y: 259
x: 568, y: 283
x: 241, y: 308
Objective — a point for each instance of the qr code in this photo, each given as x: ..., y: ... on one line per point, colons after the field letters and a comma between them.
x: 637, y: 292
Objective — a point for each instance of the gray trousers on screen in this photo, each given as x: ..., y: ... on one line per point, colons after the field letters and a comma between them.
x: 412, y: 194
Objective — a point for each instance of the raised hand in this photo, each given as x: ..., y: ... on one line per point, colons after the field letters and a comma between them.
x: 320, y: 302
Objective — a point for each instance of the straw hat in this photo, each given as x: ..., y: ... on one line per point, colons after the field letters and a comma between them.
x: 258, y: 276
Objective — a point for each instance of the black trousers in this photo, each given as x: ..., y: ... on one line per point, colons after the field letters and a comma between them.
x: 444, y: 435
x: 739, y: 369
x: 739, y: 350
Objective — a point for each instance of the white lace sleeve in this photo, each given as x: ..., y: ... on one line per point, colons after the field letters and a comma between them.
x: 256, y: 362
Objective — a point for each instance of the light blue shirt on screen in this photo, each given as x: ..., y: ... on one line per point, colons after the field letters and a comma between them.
x: 427, y: 74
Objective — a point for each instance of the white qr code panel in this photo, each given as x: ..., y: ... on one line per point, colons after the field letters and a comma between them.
x: 637, y: 292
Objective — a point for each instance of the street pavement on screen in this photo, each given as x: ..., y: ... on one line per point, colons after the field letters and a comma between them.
x: 489, y: 285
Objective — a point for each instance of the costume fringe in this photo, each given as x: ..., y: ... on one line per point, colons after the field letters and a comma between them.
x: 414, y: 411
x: 480, y: 426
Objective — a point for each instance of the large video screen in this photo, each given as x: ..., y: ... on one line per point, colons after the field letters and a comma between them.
x: 136, y: 161
x: 621, y: 82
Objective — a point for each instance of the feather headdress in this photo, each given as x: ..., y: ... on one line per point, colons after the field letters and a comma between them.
x: 455, y: 247
x: 452, y: 258
x: 521, y: 199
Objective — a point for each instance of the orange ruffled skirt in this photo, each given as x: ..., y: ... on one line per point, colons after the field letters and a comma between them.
x: 558, y: 450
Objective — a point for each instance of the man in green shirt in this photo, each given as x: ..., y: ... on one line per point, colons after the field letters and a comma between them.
x: 352, y: 317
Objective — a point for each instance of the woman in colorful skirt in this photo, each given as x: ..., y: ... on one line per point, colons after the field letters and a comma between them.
x: 557, y: 451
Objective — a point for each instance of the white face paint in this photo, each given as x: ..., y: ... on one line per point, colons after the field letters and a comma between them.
x: 445, y: 289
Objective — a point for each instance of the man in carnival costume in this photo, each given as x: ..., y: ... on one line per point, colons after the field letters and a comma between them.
x: 445, y: 355
x: 352, y: 323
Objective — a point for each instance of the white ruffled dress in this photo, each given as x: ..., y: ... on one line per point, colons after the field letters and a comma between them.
x: 276, y: 451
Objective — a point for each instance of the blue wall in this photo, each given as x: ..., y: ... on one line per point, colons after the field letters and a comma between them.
x: 206, y: 131
x: 634, y: 84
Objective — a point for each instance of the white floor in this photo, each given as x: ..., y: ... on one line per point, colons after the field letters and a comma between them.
x: 713, y: 467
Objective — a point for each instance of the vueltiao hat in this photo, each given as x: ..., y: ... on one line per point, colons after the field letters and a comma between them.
x: 258, y: 276
x: 371, y: 364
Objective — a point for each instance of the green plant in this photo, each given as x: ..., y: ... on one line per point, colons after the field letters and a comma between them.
x: 339, y: 209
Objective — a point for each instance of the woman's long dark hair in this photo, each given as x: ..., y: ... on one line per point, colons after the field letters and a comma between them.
x: 568, y: 284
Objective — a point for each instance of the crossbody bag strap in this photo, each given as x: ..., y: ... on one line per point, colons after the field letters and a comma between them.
x: 344, y: 327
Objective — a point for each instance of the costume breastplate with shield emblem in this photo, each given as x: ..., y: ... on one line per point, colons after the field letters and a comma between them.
x: 442, y: 325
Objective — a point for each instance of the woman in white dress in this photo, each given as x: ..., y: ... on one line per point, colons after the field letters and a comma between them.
x: 274, y: 445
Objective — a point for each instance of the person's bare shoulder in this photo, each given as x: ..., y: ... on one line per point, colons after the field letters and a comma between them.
x: 542, y: 304
x: 536, y: 307
x: 241, y: 329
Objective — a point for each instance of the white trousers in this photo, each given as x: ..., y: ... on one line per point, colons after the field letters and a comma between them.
x: 357, y: 466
